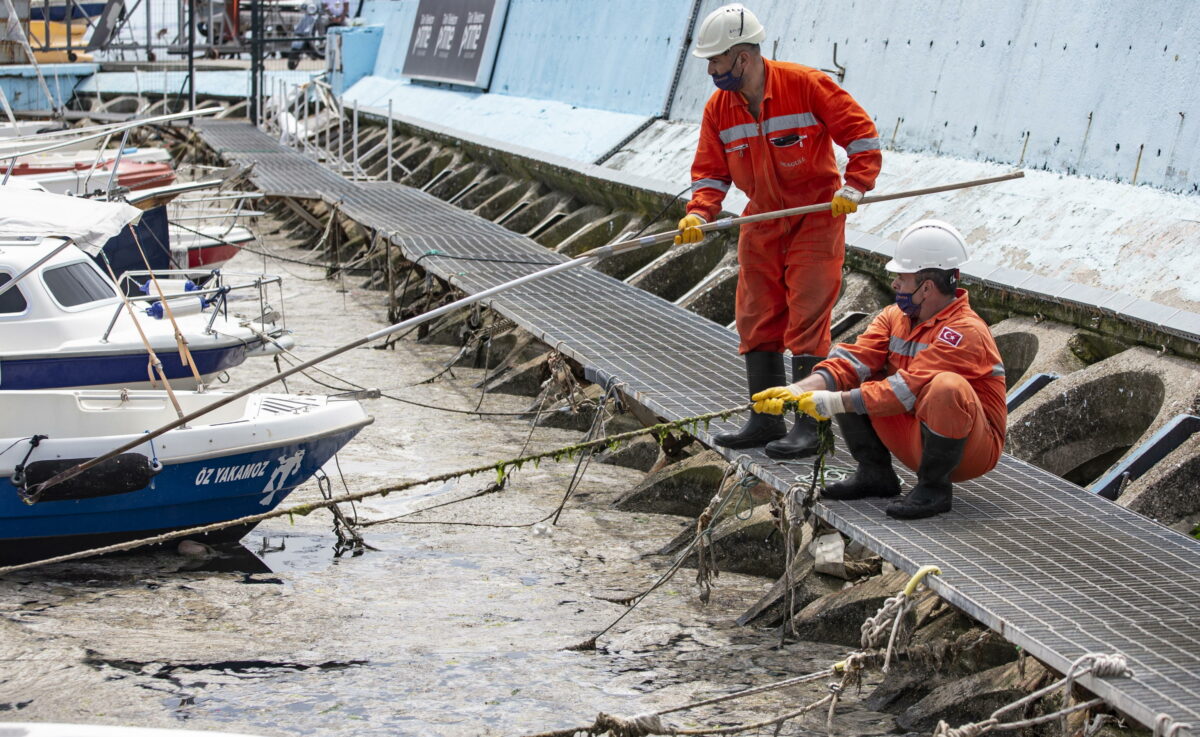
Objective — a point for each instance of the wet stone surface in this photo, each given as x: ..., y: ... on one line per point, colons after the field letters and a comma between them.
x: 438, y: 629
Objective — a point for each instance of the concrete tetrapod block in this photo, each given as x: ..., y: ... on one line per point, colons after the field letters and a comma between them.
x: 807, y: 586
x: 1029, y: 347
x: 714, y: 297
x: 946, y: 659
x: 1082, y: 424
x: 860, y: 293
x: 524, y: 379
x: 676, y: 271
x: 640, y: 454
x: 1167, y: 492
x: 598, y: 231
x: 973, y: 698
x: 683, y: 488
x: 838, y: 618
x: 749, y: 544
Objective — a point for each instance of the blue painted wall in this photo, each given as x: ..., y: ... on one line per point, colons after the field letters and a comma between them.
x: 24, y: 91
x: 354, y: 50
x: 615, y: 55
x: 396, y: 17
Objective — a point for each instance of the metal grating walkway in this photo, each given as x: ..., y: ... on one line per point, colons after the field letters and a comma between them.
x: 1050, y: 566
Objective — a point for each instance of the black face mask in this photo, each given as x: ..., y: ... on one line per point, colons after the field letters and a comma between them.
x: 727, y: 81
x: 905, y: 303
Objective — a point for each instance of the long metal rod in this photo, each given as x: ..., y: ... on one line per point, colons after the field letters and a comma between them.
x: 256, y: 61
x: 669, y: 236
x: 112, y: 177
x: 12, y: 283
x: 116, y: 129
x: 581, y: 260
x: 389, y: 140
x: 191, y: 51
x: 357, y: 147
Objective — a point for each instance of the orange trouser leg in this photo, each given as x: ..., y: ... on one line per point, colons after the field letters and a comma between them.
x: 813, y: 273
x: 789, y: 276
x: 949, y: 407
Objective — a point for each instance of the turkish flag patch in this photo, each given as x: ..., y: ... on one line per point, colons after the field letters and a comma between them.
x: 952, y: 337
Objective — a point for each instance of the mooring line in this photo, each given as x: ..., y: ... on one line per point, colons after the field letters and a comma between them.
x: 500, y: 468
x: 1100, y: 665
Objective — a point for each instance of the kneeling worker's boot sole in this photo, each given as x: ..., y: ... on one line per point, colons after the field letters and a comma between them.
x: 933, y: 493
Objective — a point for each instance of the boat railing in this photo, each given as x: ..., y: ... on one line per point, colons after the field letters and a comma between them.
x: 212, y: 289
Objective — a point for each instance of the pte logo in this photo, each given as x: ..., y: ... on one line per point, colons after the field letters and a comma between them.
x: 950, y: 337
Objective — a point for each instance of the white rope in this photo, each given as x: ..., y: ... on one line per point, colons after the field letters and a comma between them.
x: 1101, y: 665
x: 1166, y: 726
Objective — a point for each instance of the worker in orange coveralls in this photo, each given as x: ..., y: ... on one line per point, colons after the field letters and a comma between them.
x: 770, y: 129
x: 925, y: 383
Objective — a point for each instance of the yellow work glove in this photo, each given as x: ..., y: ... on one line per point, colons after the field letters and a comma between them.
x: 819, y: 405
x: 689, y: 230
x: 770, y: 401
x: 845, y: 201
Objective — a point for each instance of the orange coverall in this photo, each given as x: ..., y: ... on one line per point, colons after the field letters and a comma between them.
x: 945, y: 372
x: 790, y: 269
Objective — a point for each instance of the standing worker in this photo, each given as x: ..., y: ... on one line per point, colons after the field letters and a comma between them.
x: 770, y: 129
x: 925, y: 383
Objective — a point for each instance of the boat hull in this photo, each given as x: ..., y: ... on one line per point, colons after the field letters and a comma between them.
x: 211, y: 256
x: 117, y: 369
x: 182, y: 495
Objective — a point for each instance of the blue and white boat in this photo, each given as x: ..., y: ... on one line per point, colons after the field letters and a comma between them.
x: 65, y: 324
x: 239, y: 460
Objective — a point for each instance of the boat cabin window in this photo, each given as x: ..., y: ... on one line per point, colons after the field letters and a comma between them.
x: 77, y: 284
x: 12, y: 300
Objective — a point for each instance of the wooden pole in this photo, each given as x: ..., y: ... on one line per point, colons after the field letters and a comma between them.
x: 580, y: 260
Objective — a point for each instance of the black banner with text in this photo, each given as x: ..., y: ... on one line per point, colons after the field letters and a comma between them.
x: 455, y: 41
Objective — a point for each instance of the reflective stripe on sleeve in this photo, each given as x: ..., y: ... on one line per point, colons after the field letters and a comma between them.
x: 860, y: 368
x: 738, y: 132
x: 710, y: 183
x: 998, y: 370
x: 904, y: 347
x: 784, y: 122
x: 862, y: 144
x: 857, y: 405
x: 902, y: 392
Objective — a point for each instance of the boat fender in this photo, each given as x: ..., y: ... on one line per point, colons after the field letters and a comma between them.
x: 122, y: 474
x: 178, y: 307
x: 188, y: 286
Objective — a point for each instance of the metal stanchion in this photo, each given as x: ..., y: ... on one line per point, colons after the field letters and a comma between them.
x: 389, y: 141
x: 356, y: 146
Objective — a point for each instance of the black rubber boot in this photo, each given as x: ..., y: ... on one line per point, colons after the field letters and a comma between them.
x: 939, y: 457
x: 764, y: 370
x: 802, y: 439
x: 874, y: 475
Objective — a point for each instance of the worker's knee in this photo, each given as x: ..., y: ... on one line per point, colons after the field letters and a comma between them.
x: 949, y: 386
x: 947, y: 405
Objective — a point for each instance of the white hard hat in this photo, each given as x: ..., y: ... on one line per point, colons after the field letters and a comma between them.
x: 928, y: 244
x: 725, y: 27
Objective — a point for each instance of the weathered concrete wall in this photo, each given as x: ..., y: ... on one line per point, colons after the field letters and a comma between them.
x: 1083, y: 87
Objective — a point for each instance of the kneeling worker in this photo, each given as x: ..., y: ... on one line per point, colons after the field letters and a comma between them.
x: 925, y: 383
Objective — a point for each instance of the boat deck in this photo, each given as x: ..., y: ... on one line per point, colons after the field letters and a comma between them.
x: 1053, y: 568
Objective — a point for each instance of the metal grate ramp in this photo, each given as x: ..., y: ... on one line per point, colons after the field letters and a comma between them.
x: 1050, y: 566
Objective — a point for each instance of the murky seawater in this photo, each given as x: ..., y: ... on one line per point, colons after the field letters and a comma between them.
x: 437, y: 629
